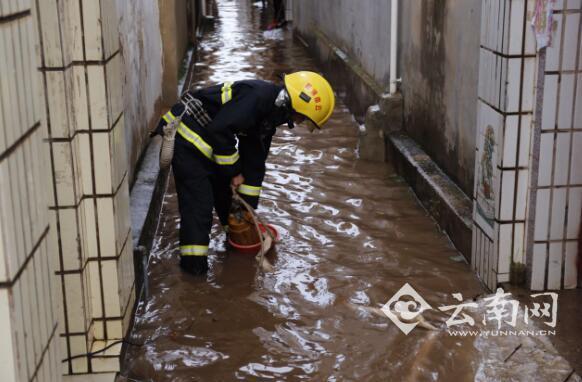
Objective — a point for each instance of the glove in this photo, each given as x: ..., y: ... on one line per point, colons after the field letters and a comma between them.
x: 196, y: 265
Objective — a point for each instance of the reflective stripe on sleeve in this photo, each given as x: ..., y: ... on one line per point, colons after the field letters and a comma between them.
x: 194, y: 250
x: 245, y: 189
x: 226, y: 92
x: 226, y: 159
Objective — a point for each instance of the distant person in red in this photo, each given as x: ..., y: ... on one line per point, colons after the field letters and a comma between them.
x: 279, y: 15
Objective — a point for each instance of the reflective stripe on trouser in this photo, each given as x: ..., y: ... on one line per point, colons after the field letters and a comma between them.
x: 194, y: 250
x: 200, y: 187
x: 245, y: 189
x: 226, y: 92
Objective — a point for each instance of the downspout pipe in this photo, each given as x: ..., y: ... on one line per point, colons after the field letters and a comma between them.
x: 393, y: 46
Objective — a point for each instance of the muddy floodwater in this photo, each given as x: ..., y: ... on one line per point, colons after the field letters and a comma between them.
x: 352, y: 235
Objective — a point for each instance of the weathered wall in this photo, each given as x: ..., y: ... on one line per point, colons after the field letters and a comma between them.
x: 439, y: 67
x: 438, y: 64
x: 141, y: 46
x: 362, y: 31
x: 175, y: 39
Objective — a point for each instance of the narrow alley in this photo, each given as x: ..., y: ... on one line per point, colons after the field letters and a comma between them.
x: 290, y: 190
x: 352, y: 235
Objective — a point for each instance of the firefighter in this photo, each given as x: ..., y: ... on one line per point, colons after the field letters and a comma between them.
x: 222, y: 140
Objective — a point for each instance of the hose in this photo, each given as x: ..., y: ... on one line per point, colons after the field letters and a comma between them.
x: 167, y: 150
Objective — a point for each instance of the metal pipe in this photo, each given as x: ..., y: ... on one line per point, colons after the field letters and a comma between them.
x: 393, y: 43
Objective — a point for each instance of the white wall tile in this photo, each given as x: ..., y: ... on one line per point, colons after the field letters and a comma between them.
x: 75, y: 308
x: 78, y: 347
x: 89, y: 228
x: 510, y: 141
x: 8, y: 351
x: 114, y: 75
x: 530, y: 43
x: 95, y: 280
x: 118, y: 153
x: 504, y: 259
x: 85, y: 163
x: 80, y: 113
x: 73, y: 32
x: 519, y: 243
x: 107, y: 227
x: 23, y: 199
x: 474, y: 247
x: 576, y: 161
x: 570, y: 266
x: 110, y: 27
x: 8, y: 233
x: 507, y: 195
x: 574, y: 212
x: 25, y: 72
x: 92, y: 30
x: 562, y: 161
x: 102, y: 163
x: 577, y: 123
x: 49, y: 27
x: 9, y: 85
x: 69, y: 239
x: 550, y: 102
x: 5, y: 118
x: 566, y: 103
x: 553, y: 51
x: 528, y: 84
x: 122, y: 217
x: 522, y: 194
x: 16, y: 211
x: 542, y: 215
x: 555, y: 266
x: 114, y: 329
x: 570, y: 41
x: 97, y: 97
x: 525, y: 140
x: 64, y: 173
x: 111, y: 288
x: 103, y: 364
x: 558, y: 214
x: 546, y: 159
x: 515, y: 32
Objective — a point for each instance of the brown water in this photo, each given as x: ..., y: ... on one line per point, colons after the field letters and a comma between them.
x: 352, y: 235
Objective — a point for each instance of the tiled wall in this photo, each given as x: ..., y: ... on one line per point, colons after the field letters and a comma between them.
x: 508, y: 65
x: 81, y: 68
x: 28, y: 303
x: 559, y: 194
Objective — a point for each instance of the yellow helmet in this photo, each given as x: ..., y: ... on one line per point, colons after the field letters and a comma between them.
x: 311, y: 95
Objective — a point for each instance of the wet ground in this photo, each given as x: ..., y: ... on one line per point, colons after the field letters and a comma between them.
x: 352, y: 235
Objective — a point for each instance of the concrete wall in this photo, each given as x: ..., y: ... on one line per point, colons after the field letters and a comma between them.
x: 439, y: 67
x: 438, y: 64
x: 141, y: 47
x: 361, y: 28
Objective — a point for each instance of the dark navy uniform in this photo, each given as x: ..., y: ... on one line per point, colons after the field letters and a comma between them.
x: 233, y: 137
